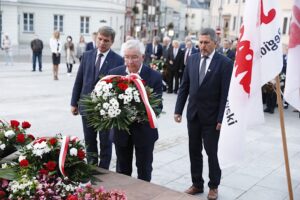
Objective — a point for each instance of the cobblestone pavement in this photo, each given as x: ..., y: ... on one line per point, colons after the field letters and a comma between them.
x: 35, y: 97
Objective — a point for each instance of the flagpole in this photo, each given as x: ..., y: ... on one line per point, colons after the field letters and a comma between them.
x: 283, y: 135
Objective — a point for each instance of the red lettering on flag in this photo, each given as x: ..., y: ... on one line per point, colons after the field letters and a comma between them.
x: 266, y: 18
x: 295, y: 29
x: 243, y: 62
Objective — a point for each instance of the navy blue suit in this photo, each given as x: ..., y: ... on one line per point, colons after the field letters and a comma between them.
x: 149, y: 52
x: 84, y: 84
x: 205, y: 109
x: 142, y: 137
x: 229, y: 53
x: 89, y: 46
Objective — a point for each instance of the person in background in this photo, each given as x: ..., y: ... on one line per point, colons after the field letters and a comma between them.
x: 205, y: 82
x: 188, y: 51
x: 95, y: 64
x: 153, y: 50
x: 69, y: 53
x: 226, y: 50
x: 55, y: 46
x: 175, y: 63
x: 37, y: 49
x: 7, y: 47
x: 142, y: 137
x: 93, y: 44
x: 80, y: 49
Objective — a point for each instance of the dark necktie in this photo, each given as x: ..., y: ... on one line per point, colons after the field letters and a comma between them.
x: 202, y: 69
x: 97, y: 65
x: 186, y: 56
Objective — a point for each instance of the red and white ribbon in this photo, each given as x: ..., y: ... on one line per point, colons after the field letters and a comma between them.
x: 136, y: 79
x: 63, y: 154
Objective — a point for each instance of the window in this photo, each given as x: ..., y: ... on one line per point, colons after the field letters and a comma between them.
x: 0, y: 22
x: 58, y: 23
x: 228, y: 1
x: 84, y: 25
x: 241, y: 22
x: 28, y: 22
x: 284, y: 29
x: 236, y: 1
x: 234, y: 22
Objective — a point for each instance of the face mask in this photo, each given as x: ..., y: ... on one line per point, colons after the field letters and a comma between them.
x: 69, y: 39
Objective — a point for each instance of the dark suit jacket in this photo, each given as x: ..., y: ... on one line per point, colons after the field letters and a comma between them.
x: 85, y: 80
x: 149, y: 51
x: 230, y: 54
x: 178, y: 61
x: 142, y: 134
x: 207, y: 101
x: 89, y: 46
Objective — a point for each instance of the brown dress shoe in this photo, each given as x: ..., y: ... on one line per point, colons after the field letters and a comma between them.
x: 212, y: 194
x: 194, y: 190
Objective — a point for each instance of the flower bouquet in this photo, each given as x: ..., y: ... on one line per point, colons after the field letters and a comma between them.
x: 118, y: 101
x: 157, y: 65
x: 13, y: 136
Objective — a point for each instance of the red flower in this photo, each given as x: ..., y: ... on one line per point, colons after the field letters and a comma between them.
x: 72, y: 197
x: 81, y: 154
x: 20, y: 138
x: 31, y: 137
x: 144, y: 82
x: 43, y: 171
x: 122, y: 86
x: 51, y: 165
x: 24, y: 163
x: 14, y: 123
x: 52, y: 141
x: 3, y: 194
x: 108, y: 81
x: 26, y: 125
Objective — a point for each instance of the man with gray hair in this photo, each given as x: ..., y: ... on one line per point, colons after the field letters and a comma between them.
x: 94, y: 64
x: 142, y: 137
x: 206, y: 82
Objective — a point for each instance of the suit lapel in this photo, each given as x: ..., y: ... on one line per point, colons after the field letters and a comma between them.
x: 211, y: 67
x: 196, y: 68
x: 93, y: 60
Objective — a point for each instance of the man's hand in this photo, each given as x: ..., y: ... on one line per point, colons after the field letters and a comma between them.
x: 74, y: 110
x: 218, y: 126
x: 177, y: 118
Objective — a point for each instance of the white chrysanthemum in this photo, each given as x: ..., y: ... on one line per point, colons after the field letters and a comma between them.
x: 137, y: 99
x: 4, y: 165
x: 128, y: 90
x: 105, y: 105
x: 2, y: 146
x: 21, y: 158
x: 73, y: 151
x: 102, y: 112
x: 136, y: 93
x: 9, y: 134
x: 121, y: 96
x: 109, y: 85
x: 40, y: 148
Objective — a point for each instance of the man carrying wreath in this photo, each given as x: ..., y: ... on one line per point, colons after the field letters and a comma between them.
x: 141, y: 136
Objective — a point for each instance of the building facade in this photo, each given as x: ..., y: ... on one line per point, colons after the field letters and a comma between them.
x: 23, y: 19
x: 228, y: 16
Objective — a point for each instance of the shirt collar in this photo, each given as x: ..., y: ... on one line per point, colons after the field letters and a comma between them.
x: 139, y: 72
x: 104, y: 53
x: 210, y: 55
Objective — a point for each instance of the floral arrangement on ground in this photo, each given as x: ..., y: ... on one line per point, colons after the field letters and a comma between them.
x: 47, y: 168
x: 158, y: 65
x: 119, y: 101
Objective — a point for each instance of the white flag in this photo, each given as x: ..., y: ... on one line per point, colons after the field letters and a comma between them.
x: 258, y: 60
x: 292, y: 81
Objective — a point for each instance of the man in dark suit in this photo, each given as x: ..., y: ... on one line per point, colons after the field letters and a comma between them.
x: 175, y: 63
x: 153, y: 50
x: 206, y: 81
x: 188, y: 51
x: 93, y: 44
x: 226, y: 51
x: 95, y: 63
x: 142, y: 137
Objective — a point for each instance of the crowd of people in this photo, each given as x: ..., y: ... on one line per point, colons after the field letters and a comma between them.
x: 200, y: 72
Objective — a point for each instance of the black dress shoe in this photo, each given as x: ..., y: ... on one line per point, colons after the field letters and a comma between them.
x: 33, y: 70
x: 40, y: 70
x: 268, y: 110
x: 175, y: 92
x: 169, y: 92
